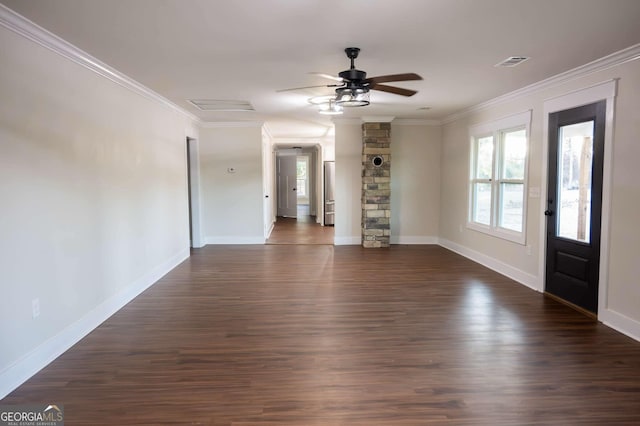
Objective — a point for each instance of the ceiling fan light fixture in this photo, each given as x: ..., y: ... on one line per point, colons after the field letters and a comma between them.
x: 320, y: 100
x: 330, y: 108
x: 352, y: 97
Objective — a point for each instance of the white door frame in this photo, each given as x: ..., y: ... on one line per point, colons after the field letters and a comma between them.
x: 602, y: 91
x: 194, y: 180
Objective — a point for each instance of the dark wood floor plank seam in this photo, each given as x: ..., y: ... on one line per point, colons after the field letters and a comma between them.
x: 323, y: 335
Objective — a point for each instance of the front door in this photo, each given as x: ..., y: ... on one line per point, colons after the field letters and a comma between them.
x: 287, y: 185
x: 576, y: 151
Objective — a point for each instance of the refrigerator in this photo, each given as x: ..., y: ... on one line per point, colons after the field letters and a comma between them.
x: 329, y: 190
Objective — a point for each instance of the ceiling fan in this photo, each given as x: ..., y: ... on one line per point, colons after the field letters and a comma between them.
x: 353, y: 85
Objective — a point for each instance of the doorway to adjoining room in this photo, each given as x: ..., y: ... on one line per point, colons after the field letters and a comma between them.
x: 299, y: 184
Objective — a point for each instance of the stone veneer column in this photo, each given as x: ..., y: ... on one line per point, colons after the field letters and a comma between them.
x: 376, y: 184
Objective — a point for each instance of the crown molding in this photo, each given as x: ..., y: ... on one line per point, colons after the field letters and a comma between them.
x: 377, y: 118
x: 302, y: 140
x: 620, y: 57
x: 337, y: 120
x: 281, y: 144
x: 30, y: 30
x: 227, y: 124
x: 416, y: 122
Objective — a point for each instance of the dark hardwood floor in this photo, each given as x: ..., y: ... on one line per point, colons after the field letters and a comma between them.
x: 300, y: 230
x: 323, y: 335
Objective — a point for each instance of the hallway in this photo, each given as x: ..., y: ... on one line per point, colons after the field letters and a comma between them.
x: 300, y: 230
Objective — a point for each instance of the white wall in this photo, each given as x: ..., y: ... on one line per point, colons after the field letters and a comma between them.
x: 454, y: 204
x: 94, y: 201
x: 415, y: 183
x: 328, y: 149
x: 232, y: 202
x: 523, y: 263
x: 348, y: 192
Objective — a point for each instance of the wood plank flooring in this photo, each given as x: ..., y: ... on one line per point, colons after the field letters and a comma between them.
x: 300, y: 230
x: 323, y: 335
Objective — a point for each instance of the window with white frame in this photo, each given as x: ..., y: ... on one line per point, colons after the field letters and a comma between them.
x: 498, y: 177
x: 302, y: 166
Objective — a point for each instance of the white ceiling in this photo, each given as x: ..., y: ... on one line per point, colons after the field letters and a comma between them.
x: 248, y: 49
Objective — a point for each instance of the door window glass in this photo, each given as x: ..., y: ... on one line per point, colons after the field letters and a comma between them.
x: 575, y: 163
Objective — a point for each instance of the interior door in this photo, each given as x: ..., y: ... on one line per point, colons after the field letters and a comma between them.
x: 576, y: 151
x: 287, y: 181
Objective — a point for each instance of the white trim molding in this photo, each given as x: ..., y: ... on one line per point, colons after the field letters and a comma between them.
x: 621, y: 323
x: 515, y: 274
x: 411, y: 240
x: 416, y: 122
x: 225, y: 124
x: 602, y: 91
x: 337, y: 120
x: 193, y: 152
x: 496, y: 129
x: 347, y: 241
x: 377, y: 118
x: 234, y: 240
x: 629, y: 54
x: 41, y: 356
x: 30, y: 30
x: 269, y: 231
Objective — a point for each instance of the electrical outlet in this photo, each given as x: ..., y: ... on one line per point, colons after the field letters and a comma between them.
x: 529, y: 250
x: 35, y: 308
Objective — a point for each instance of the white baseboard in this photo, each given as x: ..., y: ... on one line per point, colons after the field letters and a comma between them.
x: 40, y: 357
x: 401, y: 239
x: 518, y: 275
x: 347, y: 241
x: 270, y: 230
x: 621, y: 323
x: 610, y: 318
x: 405, y: 239
x: 234, y: 240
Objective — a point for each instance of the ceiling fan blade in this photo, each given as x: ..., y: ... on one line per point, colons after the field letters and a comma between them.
x: 394, y: 90
x: 329, y: 76
x: 393, y: 77
x: 307, y: 87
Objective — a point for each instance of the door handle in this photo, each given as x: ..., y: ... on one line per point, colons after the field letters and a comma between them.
x: 549, y: 212
x: 294, y: 189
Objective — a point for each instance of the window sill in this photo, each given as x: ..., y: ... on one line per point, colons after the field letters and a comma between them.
x: 504, y: 234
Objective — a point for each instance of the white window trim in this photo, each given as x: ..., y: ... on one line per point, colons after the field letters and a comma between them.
x: 606, y: 90
x: 496, y: 128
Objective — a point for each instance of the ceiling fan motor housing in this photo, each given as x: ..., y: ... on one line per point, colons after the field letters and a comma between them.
x: 353, y: 75
x: 352, y: 52
x: 354, y: 86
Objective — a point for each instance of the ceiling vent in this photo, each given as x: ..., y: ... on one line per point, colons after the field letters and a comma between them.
x: 512, y: 61
x: 220, y: 105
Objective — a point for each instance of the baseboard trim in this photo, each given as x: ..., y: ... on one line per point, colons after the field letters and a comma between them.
x: 621, y: 323
x: 233, y: 240
x: 608, y: 317
x: 515, y: 274
x: 347, y: 241
x: 573, y: 306
x: 405, y: 239
x: 273, y: 224
x: 401, y: 239
x: 41, y: 356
